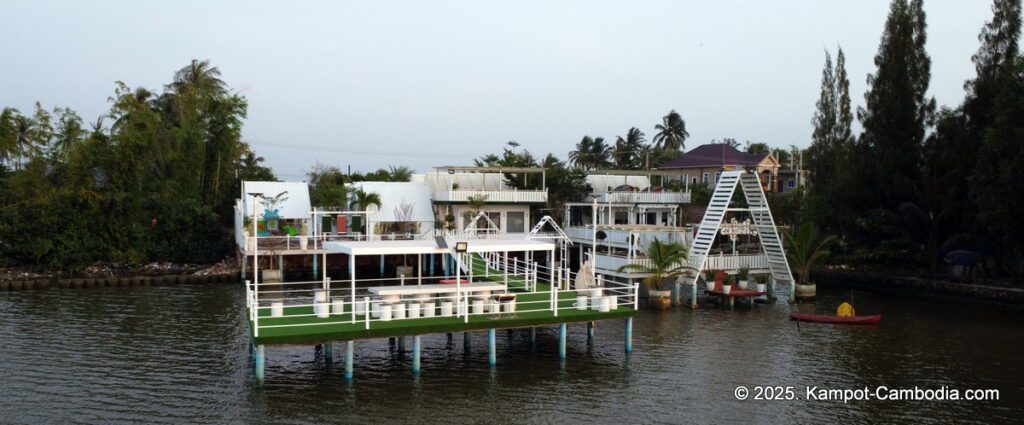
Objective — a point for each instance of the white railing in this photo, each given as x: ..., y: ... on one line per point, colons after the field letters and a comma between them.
x: 270, y: 301
x: 480, y: 234
x: 620, y: 237
x: 736, y: 262
x: 511, y: 195
x: 287, y: 243
x: 645, y: 197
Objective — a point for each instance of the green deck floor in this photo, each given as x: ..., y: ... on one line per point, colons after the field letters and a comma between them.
x: 340, y: 327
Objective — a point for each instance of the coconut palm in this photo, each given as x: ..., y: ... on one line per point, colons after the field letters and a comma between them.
x: 805, y: 250
x: 666, y: 262
x: 630, y: 151
x: 399, y: 174
x: 591, y: 154
x: 362, y: 199
x: 672, y: 133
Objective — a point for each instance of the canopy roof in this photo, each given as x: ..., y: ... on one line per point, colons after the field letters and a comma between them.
x: 430, y: 246
x: 296, y: 206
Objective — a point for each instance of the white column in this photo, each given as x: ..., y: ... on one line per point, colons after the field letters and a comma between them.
x: 352, y: 285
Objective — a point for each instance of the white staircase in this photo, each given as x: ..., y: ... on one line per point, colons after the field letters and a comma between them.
x: 762, y: 216
x: 705, y: 237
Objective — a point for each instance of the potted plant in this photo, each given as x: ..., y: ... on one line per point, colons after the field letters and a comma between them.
x: 666, y: 262
x: 709, y: 279
x: 762, y: 282
x: 805, y: 250
x: 727, y: 285
x: 741, y: 277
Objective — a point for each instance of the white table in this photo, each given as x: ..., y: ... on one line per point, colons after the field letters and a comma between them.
x: 424, y: 292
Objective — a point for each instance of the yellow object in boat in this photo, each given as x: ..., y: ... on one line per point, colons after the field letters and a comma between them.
x: 845, y: 310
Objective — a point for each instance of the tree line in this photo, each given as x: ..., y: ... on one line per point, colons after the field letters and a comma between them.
x: 922, y: 185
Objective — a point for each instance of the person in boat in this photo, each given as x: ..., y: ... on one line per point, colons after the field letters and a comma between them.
x: 845, y: 310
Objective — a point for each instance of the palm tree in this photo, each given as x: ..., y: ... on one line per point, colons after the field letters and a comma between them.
x: 8, y: 135
x: 666, y: 262
x: 399, y: 174
x: 362, y: 200
x: 630, y: 151
x: 591, y: 153
x: 805, y: 250
x: 672, y: 133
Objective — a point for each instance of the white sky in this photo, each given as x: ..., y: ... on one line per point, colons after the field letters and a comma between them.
x: 434, y: 83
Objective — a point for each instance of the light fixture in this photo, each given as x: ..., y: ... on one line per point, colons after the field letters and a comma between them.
x: 451, y: 171
x: 461, y: 247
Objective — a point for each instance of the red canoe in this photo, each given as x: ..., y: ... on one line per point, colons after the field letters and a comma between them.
x: 822, y: 318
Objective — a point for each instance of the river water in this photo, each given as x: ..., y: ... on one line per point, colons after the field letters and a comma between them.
x: 180, y: 355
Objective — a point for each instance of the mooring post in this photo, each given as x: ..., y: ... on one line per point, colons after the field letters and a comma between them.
x: 677, y: 293
x: 328, y: 352
x: 260, y: 352
x: 401, y: 344
x: 590, y: 332
x: 629, y: 334
x: 416, y: 354
x: 533, y: 337
x: 693, y: 296
x: 465, y: 342
x: 349, y: 348
x: 492, y: 352
x: 562, y: 331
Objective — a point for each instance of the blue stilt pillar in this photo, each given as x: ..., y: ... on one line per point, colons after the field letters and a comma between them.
x: 629, y: 334
x: 416, y: 354
x: 465, y: 342
x: 349, y: 348
x: 562, y: 331
x: 401, y: 344
x: 431, y: 264
x: 260, y: 352
x: 315, y: 268
x: 693, y: 296
x: 328, y: 352
x: 382, y: 265
x: 590, y: 332
x: 533, y: 337
x: 492, y: 352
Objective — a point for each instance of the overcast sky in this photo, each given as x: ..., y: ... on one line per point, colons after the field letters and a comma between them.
x: 436, y: 83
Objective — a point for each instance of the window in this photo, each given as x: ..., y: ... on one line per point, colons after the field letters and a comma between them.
x: 717, y: 175
x: 516, y: 222
x: 706, y: 177
x: 694, y: 181
x: 791, y: 183
x: 495, y: 218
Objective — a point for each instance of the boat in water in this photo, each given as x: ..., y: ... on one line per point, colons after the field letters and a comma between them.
x: 824, y: 318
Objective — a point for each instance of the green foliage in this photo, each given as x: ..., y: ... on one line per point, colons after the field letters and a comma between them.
x: 667, y: 261
x: 591, y: 154
x: 805, y: 250
x: 78, y: 196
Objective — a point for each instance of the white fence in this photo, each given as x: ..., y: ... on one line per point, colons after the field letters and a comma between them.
x: 714, y: 262
x: 511, y: 195
x: 336, y: 301
x: 645, y: 197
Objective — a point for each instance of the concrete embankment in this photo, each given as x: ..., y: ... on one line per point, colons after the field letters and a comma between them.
x: 1001, y: 297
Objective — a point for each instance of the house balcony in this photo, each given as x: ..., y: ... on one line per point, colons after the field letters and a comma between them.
x: 493, y: 196
x: 619, y: 235
x: 644, y: 197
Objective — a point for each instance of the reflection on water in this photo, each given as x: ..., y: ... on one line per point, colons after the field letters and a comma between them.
x: 179, y: 354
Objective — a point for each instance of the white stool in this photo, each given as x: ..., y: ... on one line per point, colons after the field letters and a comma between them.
x: 605, y: 304
x: 478, y: 306
x: 446, y: 308
x: 429, y: 309
x: 581, y: 302
x: 413, y: 311
x: 510, y: 306
x: 375, y: 309
x: 595, y: 302
x: 385, y: 312
x: 361, y: 308
x: 277, y: 309
x: 493, y: 306
x: 320, y: 296
x: 398, y: 310
x: 614, y: 302
x: 321, y: 309
x: 338, y: 305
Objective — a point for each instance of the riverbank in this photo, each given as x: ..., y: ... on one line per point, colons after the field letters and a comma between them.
x: 115, y: 275
x: 1004, y: 298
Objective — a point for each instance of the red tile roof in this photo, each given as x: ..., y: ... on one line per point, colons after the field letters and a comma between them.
x: 713, y: 155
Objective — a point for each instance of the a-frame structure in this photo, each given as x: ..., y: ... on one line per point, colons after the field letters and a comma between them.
x: 757, y: 206
x: 563, y: 239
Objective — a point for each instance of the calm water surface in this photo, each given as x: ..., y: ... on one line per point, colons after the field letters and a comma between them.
x: 179, y: 355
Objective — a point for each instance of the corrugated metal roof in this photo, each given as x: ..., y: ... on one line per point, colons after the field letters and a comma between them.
x: 477, y: 181
x: 296, y: 206
x: 393, y: 195
x: 713, y: 155
x: 601, y: 183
